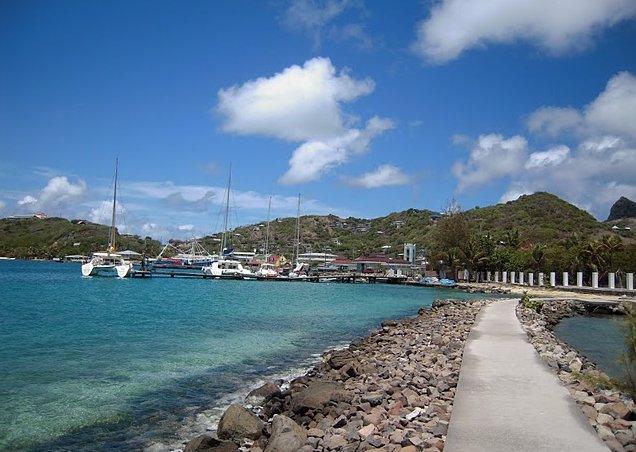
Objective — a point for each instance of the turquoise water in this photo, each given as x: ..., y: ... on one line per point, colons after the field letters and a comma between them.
x: 599, y: 338
x: 104, y: 364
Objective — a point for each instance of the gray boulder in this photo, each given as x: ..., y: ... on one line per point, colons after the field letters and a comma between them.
x: 206, y: 443
x: 261, y: 395
x: 238, y: 423
x: 287, y: 436
x: 317, y: 395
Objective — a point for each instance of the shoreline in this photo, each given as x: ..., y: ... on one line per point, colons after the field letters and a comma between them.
x: 390, y: 390
x: 393, y: 389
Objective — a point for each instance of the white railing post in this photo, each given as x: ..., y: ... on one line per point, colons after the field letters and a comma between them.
x: 630, y: 281
x: 513, y: 276
x: 496, y: 276
x: 595, y: 280
x: 566, y: 279
x: 611, y: 280
x: 579, y: 279
x: 505, y: 277
x: 488, y: 276
x: 531, y: 279
x: 521, y: 278
x: 541, y: 279
x: 552, y: 279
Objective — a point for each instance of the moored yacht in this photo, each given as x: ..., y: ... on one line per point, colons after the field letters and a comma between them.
x: 109, y: 262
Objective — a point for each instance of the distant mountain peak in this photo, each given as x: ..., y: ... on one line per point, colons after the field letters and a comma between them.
x: 623, y: 208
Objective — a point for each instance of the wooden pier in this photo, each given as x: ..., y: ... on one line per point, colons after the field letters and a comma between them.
x: 342, y: 278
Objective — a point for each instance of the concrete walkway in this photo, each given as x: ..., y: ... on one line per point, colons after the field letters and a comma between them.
x: 507, y: 399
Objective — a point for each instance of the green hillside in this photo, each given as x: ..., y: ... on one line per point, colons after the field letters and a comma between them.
x: 534, y: 227
x: 47, y: 238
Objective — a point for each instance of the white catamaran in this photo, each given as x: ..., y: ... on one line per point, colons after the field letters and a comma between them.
x: 109, y: 262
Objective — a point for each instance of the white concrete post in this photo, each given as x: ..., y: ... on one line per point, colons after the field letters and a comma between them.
x: 488, y: 276
x: 566, y: 279
x: 513, y: 276
x: 496, y: 276
x: 540, y: 279
x: 579, y: 279
x: 611, y: 280
x: 552, y: 279
x: 531, y: 279
x: 521, y: 278
x: 630, y: 281
x: 505, y: 277
x: 595, y: 280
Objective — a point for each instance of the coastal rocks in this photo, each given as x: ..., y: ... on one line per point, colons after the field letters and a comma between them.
x: 390, y: 391
x: 611, y: 412
x: 207, y: 443
x: 262, y: 394
x: 287, y: 436
x: 238, y: 423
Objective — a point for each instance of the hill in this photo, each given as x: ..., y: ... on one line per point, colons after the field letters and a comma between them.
x: 623, y: 208
x: 540, y: 218
x: 58, y: 237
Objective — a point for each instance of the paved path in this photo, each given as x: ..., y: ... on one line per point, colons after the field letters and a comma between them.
x: 507, y: 399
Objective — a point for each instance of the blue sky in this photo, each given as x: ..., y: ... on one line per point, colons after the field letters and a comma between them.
x: 363, y: 107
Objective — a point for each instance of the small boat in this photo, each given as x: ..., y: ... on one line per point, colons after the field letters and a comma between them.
x: 197, y: 257
x: 228, y: 268
x: 109, y: 262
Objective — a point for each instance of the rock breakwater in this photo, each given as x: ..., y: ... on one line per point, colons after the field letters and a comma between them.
x: 390, y: 391
x: 610, y: 411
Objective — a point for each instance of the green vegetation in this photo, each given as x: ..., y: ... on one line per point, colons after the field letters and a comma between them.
x: 538, y: 232
x: 628, y: 358
x: 32, y: 238
x: 529, y: 303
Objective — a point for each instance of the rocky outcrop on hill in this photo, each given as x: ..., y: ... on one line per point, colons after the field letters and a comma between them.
x: 623, y: 208
x: 391, y: 391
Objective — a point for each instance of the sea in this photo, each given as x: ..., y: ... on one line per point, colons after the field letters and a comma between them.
x: 144, y: 364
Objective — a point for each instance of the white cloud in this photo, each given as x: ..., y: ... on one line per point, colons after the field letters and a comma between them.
x: 455, y: 26
x: 514, y: 193
x: 492, y: 157
x: 27, y: 200
x: 2, y: 205
x: 317, y: 19
x: 102, y: 214
x: 303, y: 104
x: 59, y: 197
x: 614, y: 110
x: 186, y: 227
x: 297, y: 104
x: 611, y: 113
x: 313, y: 159
x: 554, y: 120
x: 383, y: 176
x: 551, y: 157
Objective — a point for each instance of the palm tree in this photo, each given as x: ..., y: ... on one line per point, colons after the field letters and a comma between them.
x: 611, y: 245
x: 594, y: 253
x: 537, y: 254
x: 474, y: 254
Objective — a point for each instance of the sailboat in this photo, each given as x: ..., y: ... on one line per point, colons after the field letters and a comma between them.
x: 298, y: 266
x: 267, y: 269
x: 109, y: 262
x: 225, y: 265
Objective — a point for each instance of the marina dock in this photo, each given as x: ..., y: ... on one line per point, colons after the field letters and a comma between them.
x: 345, y: 278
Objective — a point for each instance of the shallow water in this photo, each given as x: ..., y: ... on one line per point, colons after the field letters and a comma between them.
x: 96, y: 364
x: 599, y: 338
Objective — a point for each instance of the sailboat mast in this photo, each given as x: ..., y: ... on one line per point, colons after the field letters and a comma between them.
x: 227, y: 210
x: 297, y: 250
x: 111, y: 239
x: 269, y: 207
